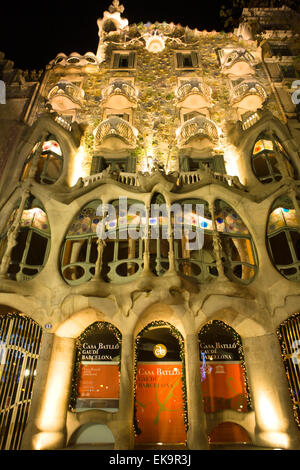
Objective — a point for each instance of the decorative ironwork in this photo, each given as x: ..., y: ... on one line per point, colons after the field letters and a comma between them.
x: 247, y: 88
x: 116, y: 127
x: 20, y: 339
x: 197, y: 127
x: 289, y: 338
x: 193, y: 87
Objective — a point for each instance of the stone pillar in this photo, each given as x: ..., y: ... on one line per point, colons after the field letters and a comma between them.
x: 197, y: 435
x: 51, y: 409
x: 275, y: 424
x: 39, y: 384
x: 125, y: 435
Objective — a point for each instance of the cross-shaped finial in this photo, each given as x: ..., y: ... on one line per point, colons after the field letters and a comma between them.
x: 116, y: 7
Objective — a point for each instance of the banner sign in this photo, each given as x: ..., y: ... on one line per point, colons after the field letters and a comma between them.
x: 98, y: 385
x: 159, y: 402
x: 224, y: 387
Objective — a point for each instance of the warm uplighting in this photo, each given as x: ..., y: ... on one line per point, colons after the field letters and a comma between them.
x: 231, y: 159
x: 79, y: 170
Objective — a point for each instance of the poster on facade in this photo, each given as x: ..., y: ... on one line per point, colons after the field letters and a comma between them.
x: 223, y: 387
x: 98, y: 383
x: 222, y: 372
x: 159, y: 403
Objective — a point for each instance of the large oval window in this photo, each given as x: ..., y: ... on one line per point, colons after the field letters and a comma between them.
x: 283, y: 238
x: 238, y: 251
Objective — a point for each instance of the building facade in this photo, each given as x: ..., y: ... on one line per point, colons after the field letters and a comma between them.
x: 150, y: 239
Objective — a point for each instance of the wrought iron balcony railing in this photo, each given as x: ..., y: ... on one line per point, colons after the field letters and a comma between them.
x: 246, y: 89
x: 193, y: 87
x: 120, y: 87
x: 199, y: 126
x: 116, y: 127
x: 68, y: 90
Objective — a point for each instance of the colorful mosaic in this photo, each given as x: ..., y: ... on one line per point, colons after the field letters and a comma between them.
x: 228, y: 221
x: 35, y: 218
x: 282, y: 217
x: 85, y: 223
x: 261, y: 145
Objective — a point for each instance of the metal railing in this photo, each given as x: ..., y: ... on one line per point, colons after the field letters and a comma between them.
x: 118, y: 127
x: 198, y: 126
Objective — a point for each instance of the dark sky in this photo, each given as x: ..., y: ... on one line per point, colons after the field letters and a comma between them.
x: 33, y: 32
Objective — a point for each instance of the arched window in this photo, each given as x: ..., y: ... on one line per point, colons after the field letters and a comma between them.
x: 289, y: 338
x: 20, y: 339
x: 238, y: 251
x: 283, y: 238
x: 270, y: 161
x: 160, y: 388
x: 223, y: 373
x: 80, y: 252
x: 96, y: 377
x: 195, y: 258
x: 49, y: 164
x: 123, y: 258
x: 30, y: 254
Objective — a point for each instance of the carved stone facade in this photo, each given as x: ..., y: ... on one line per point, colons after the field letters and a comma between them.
x: 160, y: 114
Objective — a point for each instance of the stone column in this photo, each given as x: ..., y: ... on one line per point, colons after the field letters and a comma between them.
x: 275, y: 424
x: 51, y: 410
x: 39, y: 384
x: 197, y: 435
x: 125, y: 435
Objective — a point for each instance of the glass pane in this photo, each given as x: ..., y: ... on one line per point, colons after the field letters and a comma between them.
x: 280, y: 249
x: 260, y: 166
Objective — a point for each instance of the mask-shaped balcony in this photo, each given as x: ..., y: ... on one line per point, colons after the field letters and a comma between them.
x: 193, y: 94
x: 198, y: 132
x: 119, y: 95
x: 237, y: 62
x: 249, y: 95
x: 65, y: 96
x: 115, y: 133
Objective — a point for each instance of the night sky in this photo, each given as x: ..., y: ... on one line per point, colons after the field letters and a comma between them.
x: 32, y: 33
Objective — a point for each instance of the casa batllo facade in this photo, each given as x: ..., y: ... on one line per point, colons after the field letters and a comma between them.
x: 136, y: 341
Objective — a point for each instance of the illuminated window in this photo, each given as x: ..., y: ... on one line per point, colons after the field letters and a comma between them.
x: 270, y: 160
x: 223, y: 373
x: 192, y: 261
x: 49, y: 164
x: 283, y: 236
x: 80, y: 252
x: 289, y: 338
x: 31, y: 251
x: 96, y: 377
x: 238, y: 251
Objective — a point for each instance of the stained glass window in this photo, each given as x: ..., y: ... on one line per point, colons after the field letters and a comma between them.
x: 195, y: 257
x: 80, y: 251
x: 270, y: 160
x: 283, y: 232
x: 238, y: 251
x: 49, y: 164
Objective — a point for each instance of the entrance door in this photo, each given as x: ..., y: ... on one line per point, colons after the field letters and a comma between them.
x: 159, y: 400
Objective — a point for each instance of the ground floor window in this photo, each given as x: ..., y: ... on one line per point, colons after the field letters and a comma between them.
x: 289, y: 337
x: 20, y: 339
x: 160, y: 399
x: 96, y: 378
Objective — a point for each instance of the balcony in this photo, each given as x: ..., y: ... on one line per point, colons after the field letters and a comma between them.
x: 249, y: 95
x: 119, y: 95
x: 237, y: 62
x: 117, y: 129
x: 198, y: 128
x: 193, y: 94
x: 65, y: 96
